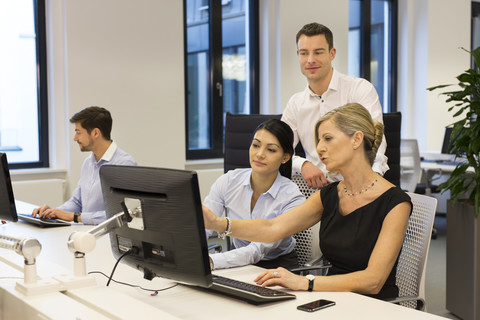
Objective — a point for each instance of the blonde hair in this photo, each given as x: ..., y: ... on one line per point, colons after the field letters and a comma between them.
x: 351, y: 118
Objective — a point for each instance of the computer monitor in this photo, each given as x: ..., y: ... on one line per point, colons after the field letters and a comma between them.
x: 446, y: 140
x: 168, y: 231
x: 8, y: 210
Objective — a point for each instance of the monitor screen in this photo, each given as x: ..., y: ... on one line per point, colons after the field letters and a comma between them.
x: 446, y: 140
x: 167, y: 233
x: 8, y: 210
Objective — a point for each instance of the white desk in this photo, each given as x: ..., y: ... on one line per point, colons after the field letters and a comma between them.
x: 436, y: 173
x: 180, y: 302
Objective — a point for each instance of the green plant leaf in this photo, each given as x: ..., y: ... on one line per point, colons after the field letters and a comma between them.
x: 463, y: 101
x: 466, y: 77
x: 439, y: 87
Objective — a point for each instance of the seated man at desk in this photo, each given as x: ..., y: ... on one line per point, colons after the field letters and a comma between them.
x: 92, y: 133
x: 262, y: 191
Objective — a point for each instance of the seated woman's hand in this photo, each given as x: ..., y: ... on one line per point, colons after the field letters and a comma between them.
x: 282, y: 277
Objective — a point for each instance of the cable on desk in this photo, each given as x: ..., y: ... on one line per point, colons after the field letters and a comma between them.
x: 134, y: 285
x: 133, y: 250
x: 6, y: 278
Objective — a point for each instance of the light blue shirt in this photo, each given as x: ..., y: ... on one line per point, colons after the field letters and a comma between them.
x: 87, y: 198
x: 232, y: 192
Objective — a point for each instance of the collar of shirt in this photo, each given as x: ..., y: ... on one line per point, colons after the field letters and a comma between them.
x: 333, y: 85
x: 274, y: 189
x: 108, y: 155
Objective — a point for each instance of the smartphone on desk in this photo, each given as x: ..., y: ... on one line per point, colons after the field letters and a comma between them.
x: 316, y: 305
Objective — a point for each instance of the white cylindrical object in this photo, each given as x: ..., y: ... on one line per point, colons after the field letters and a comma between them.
x: 82, y: 241
x: 30, y: 274
x: 79, y: 267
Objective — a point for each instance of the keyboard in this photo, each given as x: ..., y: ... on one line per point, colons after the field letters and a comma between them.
x: 249, y: 292
x: 42, y: 222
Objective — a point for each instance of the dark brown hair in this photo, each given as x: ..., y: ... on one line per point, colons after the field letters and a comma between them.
x: 94, y: 117
x: 313, y: 29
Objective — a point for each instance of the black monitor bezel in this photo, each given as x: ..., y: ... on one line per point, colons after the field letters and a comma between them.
x: 8, y: 210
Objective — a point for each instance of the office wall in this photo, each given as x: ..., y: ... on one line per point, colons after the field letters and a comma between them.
x: 126, y: 56
x: 430, y: 35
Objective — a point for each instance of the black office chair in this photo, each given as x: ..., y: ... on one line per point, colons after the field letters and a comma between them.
x: 393, y: 123
x: 238, y: 138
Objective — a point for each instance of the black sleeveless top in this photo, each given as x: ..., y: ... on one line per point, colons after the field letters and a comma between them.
x: 348, y: 241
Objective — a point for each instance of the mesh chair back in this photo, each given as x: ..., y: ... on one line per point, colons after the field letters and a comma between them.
x: 308, y: 244
x: 413, y: 258
x: 393, y: 124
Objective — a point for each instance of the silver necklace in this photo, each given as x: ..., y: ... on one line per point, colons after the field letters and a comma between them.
x: 358, y: 192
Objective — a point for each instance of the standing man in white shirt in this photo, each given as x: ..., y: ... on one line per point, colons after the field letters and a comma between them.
x: 327, y: 89
x: 92, y: 133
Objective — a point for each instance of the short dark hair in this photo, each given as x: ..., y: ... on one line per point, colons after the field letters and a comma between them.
x: 284, y: 134
x: 94, y: 117
x: 313, y: 29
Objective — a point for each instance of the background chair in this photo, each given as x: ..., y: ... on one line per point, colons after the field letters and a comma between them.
x: 308, y: 242
x: 310, y: 258
x: 410, y: 167
x: 412, y: 172
x: 413, y: 258
x: 238, y: 137
x: 393, y: 124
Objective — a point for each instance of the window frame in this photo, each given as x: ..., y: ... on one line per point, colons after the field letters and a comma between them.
x: 365, y: 48
x: 475, y: 22
x: 215, y: 53
x: 42, y: 92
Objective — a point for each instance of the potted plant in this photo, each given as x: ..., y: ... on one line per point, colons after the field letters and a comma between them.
x: 463, y: 226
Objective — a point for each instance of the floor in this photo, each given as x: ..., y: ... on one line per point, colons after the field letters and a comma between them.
x: 436, y: 272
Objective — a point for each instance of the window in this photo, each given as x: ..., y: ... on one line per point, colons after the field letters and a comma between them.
x: 220, y: 40
x: 475, y: 27
x: 23, y: 94
x: 372, y: 51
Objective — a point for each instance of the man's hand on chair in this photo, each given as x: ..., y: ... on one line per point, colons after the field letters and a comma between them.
x: 313, y: 176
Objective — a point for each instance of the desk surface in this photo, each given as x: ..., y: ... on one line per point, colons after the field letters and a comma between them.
x: 440, y: 167
x: 179, y: 302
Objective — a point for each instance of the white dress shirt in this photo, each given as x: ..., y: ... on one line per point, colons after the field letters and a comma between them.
x: 87, y: 198
x: 305, y: 108
x: 232, y: 192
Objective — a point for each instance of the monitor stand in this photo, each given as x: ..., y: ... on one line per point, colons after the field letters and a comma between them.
x: 80, y: 243
x: 29, y: 248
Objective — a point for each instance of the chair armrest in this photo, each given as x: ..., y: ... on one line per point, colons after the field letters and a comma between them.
x: 216, y: 247
x: 319, y: 267
x: 317, y: 270
x: 420, y: 301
